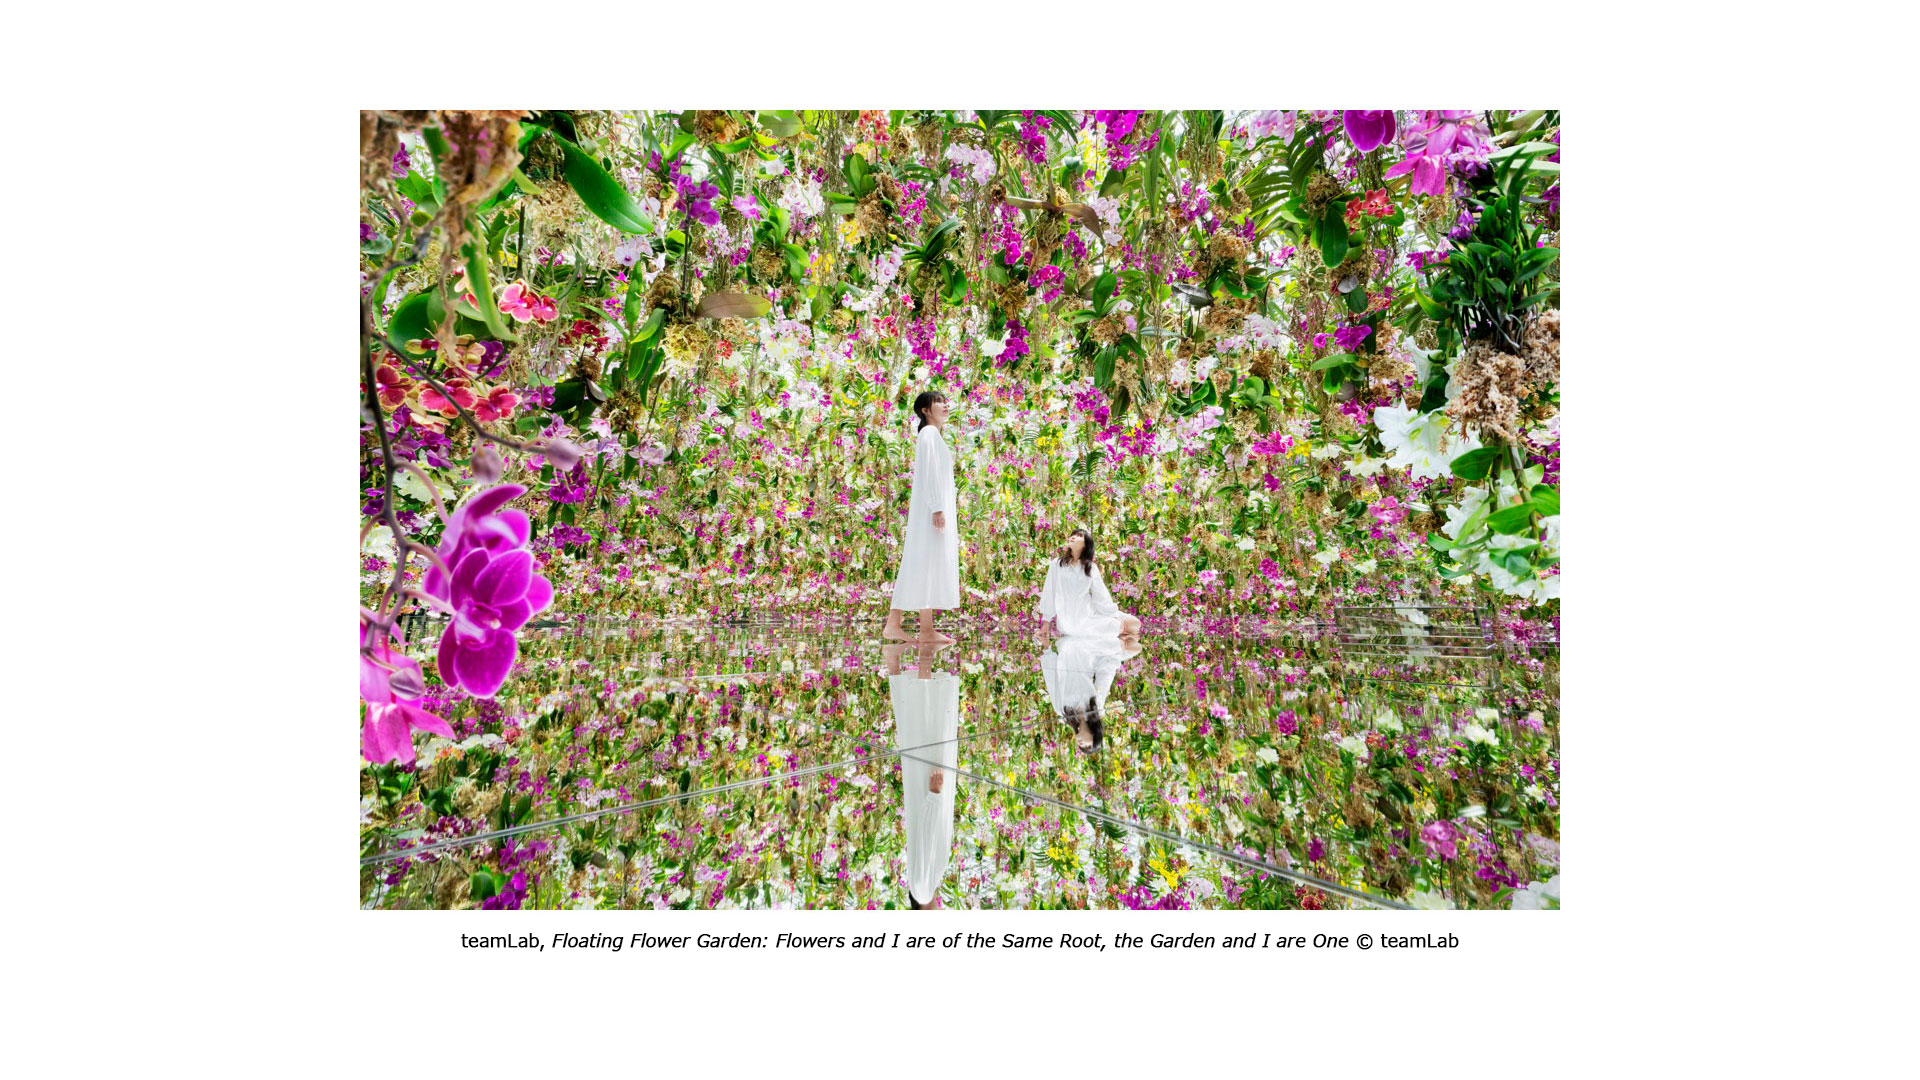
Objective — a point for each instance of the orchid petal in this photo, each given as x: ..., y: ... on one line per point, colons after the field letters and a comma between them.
x: 504, y: 579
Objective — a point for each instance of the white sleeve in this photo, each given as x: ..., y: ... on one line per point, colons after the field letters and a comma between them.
x: 1046, y: 609
x: 1102, y: 600
x: 936, y: 482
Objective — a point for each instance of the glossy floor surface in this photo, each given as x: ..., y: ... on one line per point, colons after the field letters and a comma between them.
x: 1393, y: 757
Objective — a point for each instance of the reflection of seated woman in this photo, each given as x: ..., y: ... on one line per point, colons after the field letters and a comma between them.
x: 1079, y: 674
x: 926, y: 725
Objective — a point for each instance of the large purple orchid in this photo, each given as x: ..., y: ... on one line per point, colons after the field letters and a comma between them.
x: 493, y: 590
x: 390, y: 683
x: 1368, y: 128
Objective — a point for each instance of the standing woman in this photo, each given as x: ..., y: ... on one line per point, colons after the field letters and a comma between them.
x: 1075, y: 595
x: 929, y: 578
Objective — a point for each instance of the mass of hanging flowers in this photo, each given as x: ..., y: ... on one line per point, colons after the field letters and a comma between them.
x: 654, y: 367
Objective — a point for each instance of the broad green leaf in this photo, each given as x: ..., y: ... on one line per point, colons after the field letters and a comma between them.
x: 1513, y: 519
x: 1331, y: 360
x: 1546, y: 500
x: 1333, y: 234
x: 780, y: 122
x: 601, y: 193
x: 651, y: 326
x: 1474, y: 464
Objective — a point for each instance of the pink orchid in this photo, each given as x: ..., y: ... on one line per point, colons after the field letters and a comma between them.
x: 393, y: 386
x: 1441, y: 839
x: 390, y: 682
x: 518, y: 301
x: 1368, y: 128
x: 432, y: 400
x: 497, y: 405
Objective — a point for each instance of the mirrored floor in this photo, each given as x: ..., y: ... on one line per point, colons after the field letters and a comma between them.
x: 1391, y: 758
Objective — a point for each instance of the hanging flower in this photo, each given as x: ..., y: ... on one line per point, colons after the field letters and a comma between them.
x: 497, y: 405
x: 520, y: 301
x: 390, y: 682
x: 492, y: 593
x: 1368, y: 129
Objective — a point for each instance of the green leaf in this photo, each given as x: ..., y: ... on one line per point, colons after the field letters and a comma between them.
x: 411, y: 321
x: 780, y: 123
x: 679, y: 145
x: 483, y: 885
x: 652, y: 326
x: 482, y: 288
x: 857, y: 174
x: 1333, y: 233
x: 1511, y: 520
x: 1103, y: 288
x: 1546, y: 500
x: 600, y: 192
x: 1474, y: 464
x: 1332, y: 360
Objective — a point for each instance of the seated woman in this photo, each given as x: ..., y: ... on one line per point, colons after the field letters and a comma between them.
x: 1075, y: 595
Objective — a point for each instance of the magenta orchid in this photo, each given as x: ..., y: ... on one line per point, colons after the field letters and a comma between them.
x: 390, y: 683
x: 1438, y: 134
x: 492, y: 592
x: 1368, y: 129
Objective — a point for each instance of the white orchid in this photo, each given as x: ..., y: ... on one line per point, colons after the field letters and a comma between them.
x: 1423, y: 442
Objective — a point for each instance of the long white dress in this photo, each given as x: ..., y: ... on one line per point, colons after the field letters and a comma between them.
x: 929, y: 558
x: 1080, y: 603
x: 926, y: 729
x: 1081, y: 669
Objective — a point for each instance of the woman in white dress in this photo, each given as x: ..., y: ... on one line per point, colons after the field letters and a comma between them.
x: 926, y: 729
x: 929, y: 578
x: 1075, y: 595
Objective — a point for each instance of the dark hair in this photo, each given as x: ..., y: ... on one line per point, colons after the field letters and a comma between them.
x: 1096, y: 727
x: 1086, y: 552
x: 924, y: 402
x: 911, y: 900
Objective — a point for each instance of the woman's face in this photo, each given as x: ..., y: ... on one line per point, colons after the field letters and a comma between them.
x: 1075, y: 545
x: 937, y: 413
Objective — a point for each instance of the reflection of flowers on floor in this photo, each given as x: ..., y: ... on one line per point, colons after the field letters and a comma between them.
x: 1432, y: 803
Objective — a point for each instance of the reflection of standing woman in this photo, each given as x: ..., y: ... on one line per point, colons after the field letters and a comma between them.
x: 926, y: 724
x: 929, y: 578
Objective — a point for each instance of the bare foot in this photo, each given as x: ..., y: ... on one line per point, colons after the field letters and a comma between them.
x: 894, y: 633
x: 937, y: 637
x: 938, y: 781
